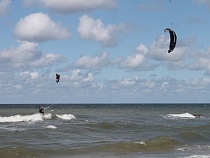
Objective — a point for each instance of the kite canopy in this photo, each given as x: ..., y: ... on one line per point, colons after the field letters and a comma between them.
x: 57, y: 78
x: 173, y: 39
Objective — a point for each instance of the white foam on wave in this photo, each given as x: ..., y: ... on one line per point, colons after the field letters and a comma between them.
x: 47, y: 116
x: 51, y: 127
x: 202, y: 151
x: 184, y: 115
x: 26, y: 118
x: 141, y: 142
x: 66, y: 116
x: 197, y: 156
x: 12, y: 129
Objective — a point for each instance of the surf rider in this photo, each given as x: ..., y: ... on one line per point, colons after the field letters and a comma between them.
x: 41, y: 110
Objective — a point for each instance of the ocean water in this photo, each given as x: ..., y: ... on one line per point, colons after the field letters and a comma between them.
x: 105, y: 130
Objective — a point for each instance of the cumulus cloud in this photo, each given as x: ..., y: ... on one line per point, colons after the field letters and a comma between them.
x: 47, y: 59
x: 128, y: 82
x: 143, y: 59
x: 95, y: 62
x: 18, y: 57
x: 95, y: 30
x: 133, y: 61
x: 31, y: 75
x: 159, y: 49
x: 137, y: 61
x: 83, y: 81
x: 142, y: 49
x: 147, y: 58
x: 200, y: 61
x: 4, y: 6
x: 78, y: 76
x: 38, y: 27
x: 27, y: 56
x: 70, y: 6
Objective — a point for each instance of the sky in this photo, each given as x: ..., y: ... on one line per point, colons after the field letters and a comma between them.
x: 106, y: 51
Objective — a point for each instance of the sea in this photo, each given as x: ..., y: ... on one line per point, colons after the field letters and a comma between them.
x: 105, y: 131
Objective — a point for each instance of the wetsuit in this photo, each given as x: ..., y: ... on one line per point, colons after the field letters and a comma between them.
x: 41, y: 111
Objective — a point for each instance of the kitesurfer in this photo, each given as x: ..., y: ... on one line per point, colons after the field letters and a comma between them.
x: 41, y: 110
x: 197, y: 115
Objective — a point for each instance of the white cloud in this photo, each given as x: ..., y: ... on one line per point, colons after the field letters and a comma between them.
x: 95, y: 30
x: 159, y: 50
x: 47, y: 59
x: 137, y: 61
x: 4, y: 6
x: 150, y: 58
x: 128, y: 82
x: 76, y: 75
x: 142, y: 49
x: 95, y: 62
x: 18, y: 57
x: 80, y: 79
x: 31, y: 75
x: 200, y: 61
x: 34, y: 75
x: 38, y: 27
x: 69, y: 6
x: 18, y: 87
x: 134, y: 61
x: 26, y: 56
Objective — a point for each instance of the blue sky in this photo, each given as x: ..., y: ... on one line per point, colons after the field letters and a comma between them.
x: 106, y: 51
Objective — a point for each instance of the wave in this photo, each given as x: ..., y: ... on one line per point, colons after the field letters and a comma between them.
x: 26, y: 118
x: 51, y: 127
x: 19, y: 152
x: 193, y: 137
x: 183, y: 116
x: 115, y: 125
x: 35, y: 117
x: 197, y: 156
x: 66, y: 116
x: 158, y: 144
x: 197, y: 151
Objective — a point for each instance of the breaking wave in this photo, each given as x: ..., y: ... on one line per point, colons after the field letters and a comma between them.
x: 51, y: 127
x: 34, y: 117
x: 66, y: 116
x: 25, y: 118
x: 184, y: 115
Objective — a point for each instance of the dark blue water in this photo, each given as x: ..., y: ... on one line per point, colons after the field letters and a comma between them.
x: 105, y: 130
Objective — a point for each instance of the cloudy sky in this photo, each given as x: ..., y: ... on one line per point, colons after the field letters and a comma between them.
x: 106, y: 51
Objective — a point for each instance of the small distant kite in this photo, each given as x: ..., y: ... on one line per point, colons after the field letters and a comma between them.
x: 57, y: 78
x: 173, y: 39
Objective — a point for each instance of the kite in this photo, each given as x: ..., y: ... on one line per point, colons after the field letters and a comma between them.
x: 57, y: 78
x: 173, y: 39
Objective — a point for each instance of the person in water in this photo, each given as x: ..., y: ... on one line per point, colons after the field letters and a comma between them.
x: 197, y: 115
x: 41, y: 110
